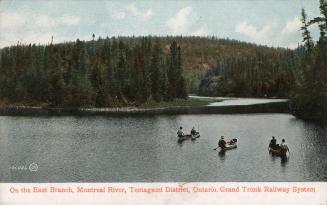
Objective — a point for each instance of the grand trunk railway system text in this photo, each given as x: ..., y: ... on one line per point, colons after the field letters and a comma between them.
x: 163, y: 189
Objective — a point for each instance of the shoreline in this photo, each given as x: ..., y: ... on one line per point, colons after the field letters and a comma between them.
x: 271, y: 107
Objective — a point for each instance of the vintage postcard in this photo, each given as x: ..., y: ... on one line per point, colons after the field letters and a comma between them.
x: 163, y: 102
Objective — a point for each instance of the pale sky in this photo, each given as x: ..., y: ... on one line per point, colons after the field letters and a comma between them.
x: 267, y: 22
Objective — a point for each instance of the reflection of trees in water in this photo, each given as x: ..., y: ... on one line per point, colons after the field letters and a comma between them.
x: 313, y: 147
x: 316, y: 149
x: 140, y: 138
x: 316, y: 131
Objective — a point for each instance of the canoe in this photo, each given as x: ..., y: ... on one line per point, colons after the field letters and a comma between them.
x: 277, y: 152
x: 230, y: 145
x: 188, y: 137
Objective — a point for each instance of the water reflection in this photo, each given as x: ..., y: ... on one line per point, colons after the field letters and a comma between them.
x: 284, y: 160
x: 222, y: 154
x: 273, y: 157
x: 180, y: 142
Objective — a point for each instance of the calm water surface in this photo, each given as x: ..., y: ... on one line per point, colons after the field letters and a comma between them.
x: 145, y: 149
x: 231, y: 101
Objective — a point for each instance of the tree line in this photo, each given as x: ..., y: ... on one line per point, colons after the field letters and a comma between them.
x: 310, y: 94
x: 101, y: 73
x: 200, y: 54
x: 265, y: 74
x: 128, y: 70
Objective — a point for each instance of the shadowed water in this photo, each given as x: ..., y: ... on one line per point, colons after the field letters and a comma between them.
x: 145, y: 149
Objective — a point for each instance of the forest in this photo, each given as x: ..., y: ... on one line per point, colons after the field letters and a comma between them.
x: 103, y: 73
x: 123, y: 71
x: 309, y: 99
x: 263, y: 75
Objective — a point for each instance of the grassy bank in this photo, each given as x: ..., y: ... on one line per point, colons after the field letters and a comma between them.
x: 177, y: 107
x: 189, y: 102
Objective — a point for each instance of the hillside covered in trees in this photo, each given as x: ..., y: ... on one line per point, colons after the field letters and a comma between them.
x: 267, y: 73
x: 132, y: 70
x: 106, y: 72
x: 202, y: 56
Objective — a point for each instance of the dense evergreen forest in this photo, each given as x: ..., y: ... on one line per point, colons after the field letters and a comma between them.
x: 105, y: 72
x: 132, y: 70
x: 265, y: 74
x: 201, y: 55
x: 310, y: 94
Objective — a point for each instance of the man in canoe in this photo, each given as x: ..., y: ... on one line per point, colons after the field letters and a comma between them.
x: 193, y: 131
x: 283, y: 146
x: 180, y: 132
x: 272, y: 143
x: 222, y: 142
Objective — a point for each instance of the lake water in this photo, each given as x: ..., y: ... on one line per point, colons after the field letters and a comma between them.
x: 231, y: 101
x: 145, y: 149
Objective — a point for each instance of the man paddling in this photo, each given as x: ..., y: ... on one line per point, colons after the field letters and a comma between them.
x: 180, y: 132
x: 273, y: 142
x: 283, y: 146
x: 193, y: 131
x: 222, y: 142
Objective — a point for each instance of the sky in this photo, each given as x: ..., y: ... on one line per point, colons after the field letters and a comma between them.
x: 267, y: 22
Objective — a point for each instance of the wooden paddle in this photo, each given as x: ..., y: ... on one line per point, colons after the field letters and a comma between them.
x: 216, y: 148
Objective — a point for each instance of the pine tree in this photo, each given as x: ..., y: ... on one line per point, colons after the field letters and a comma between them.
x: 163, y: 79
x: 55, y: 79
x: 181, y: 88
x: 321, y: 20
x: 154, y: 72
x: 172, y: 72
x: 305, y: 32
